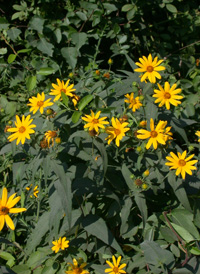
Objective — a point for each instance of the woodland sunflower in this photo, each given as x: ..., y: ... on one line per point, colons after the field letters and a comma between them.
x: 61, y: 243
x: 116, y: 131
x: 75, y: 269
x: 62, y: 87
x: 22, y: 130
x: 133, y: 103
x: 94, y: 122
x: 6, y: 207
x: 198, y: 134
x: 50, y: 135
x: 35, y: 190
x: 115, y: 267
x: 181, y: 164
x: 150, y: 68
x: 166, y: 96
x: 39, y: 103
x: 155, y: 135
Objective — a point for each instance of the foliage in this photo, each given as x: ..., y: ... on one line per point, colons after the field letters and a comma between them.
x: 99, y: 196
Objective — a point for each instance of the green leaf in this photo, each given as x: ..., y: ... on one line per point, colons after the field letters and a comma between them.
x: 65, y: 98
x: 101, y: 147
x: 13, y: 33
x: 45, y: 47
x: 85, y: 101
x: 195, y: 250
x: 141, y: 203
x: 75, y: 116
x: 46, y: 71
x: 58, y: 35
x: 97, y: 227
x: 171, y: 8
x: 70, y: 54
x: 81, y: 15
x: 37, y: 23
x: 127, y: 7
x: 3, y: 23
x: 109, y: 7
x: 183, y: 233
x: 21, y: 269
x: 79, y: 39
x: 3, y: 50
x: 11, y: 58
x: 126, y: 174
x: 24, y: 50
x: 6, y: 256
x: 31, y: 82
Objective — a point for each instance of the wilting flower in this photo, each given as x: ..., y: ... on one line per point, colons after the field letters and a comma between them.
x: 150, y: 68
x: 75, y: 269
x: 198, y: 134
x: 94, y: 122
x: 22, y: 130
x: 181, y: 164
x: 35, y: 190
x: 166, y: 96
x: 39, y: 103
x: 133, y: 103
x: 106, y: 75
x: 115, y: 267
x: 6, y: 207
x: 61, y: 243
x: 116, y: 131
x: 62, y: 87
x: 50, y: 135
x: 156, y: 135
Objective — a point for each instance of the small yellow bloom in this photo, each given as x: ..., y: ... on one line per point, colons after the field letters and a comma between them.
x: 75, y: 100
x: 35, y: 190
x: 50, y: 135
x: 198, y: 134
x: 156, y: 135
x: 144, y: 186
x: 22, y: 130
x: 181, y: 164
x: 116, y: 131
x: 6, y: 207
x: 58, y: 140
x: 166, y: 96
x: 62, y: 87
x: 61, y: 243
x: 143, y: 123
x: 115, y: 268
x: 146, y: 173
x: 133, y: 103
x: 39, y: 103
x: 75, y: 269
x: 110, y: 61
x: 97, y: 72
x: 150, y: 68
x: 71, y: 75
x: 94, y: 122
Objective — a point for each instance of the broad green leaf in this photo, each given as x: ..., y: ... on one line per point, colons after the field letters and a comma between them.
x: 81, y: 15
x: 70, y: 54
x: 58, y: 35
x: 126, y: 174
x: 21, y: 269
x: 24, y: 50
x: 6, y: 256
x: 11, y: 58
x: 97, y: 227
x: 183, y: 233
x: 101, y: 147
x: 45, y: 47
x: 13, y: 33
x: 79, y: 39
x: 194, y: 250
x: 127, y: 7
x: 75, y: 116
x: 3, y: 23
x: 31, y: 82
x: 3, y: 51
x: 85, y: 101
x: 141, y: 203
x: 37, y: 23
x: 171, y: 8
x: 65, y: 98
x: 46, y: 71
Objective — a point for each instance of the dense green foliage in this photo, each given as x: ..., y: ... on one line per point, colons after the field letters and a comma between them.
x: 87, y: 188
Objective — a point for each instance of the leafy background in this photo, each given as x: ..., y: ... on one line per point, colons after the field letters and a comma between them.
x: 87, y: 191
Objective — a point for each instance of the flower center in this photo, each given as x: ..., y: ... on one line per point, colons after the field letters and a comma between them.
x: 117, y: 131
x: 4, y: 210
x: 22, y: 129
x: 115, y: 269
x: 77, y: 270
x: 154, y: 134
x: 182, y: 162
x: 63, y: 90
x: 40, y: 103
x: 53, y: 134
x: 133, y: 101
x: 167, y: 95
x: 95, y: 121
x: 149, y: 68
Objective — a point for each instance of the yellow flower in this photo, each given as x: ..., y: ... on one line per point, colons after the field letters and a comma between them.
x: 97, y: 72
x: 181, y: 164
x: 143, y: 123
x: 167, y: 95
x: 39, y: 103
x: 106, y: 75
x: 198, y: 134
x: 116, y: 131
x: 6, y: 206
x: 58, y: 140
x: 115, y: 268
x: 61, y: 243
x: 94, y: 122
x: 75, y: 100
x: 50, y: 135
x: 133, y: 103
x: 22, y: 130
x: 156, y: 135
x: 110, y: 61
x: 150, y: 67
x: 146, y: 173
x: 75, y: 269
x: 62, y: 87
x: 35, y: 190
x: 167, y: 134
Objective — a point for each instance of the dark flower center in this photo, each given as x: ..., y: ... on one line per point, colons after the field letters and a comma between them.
x: 4, y: 210
x: 40, y: 103
x: 149, y: 68
x: 154, y: 134
x: 167, y: 95
x: 63, y: 90
x: 115, y: 269
x: 22, y: 129
x: 117, y: 131
x: 95, y: 121
x: 182, y: 162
